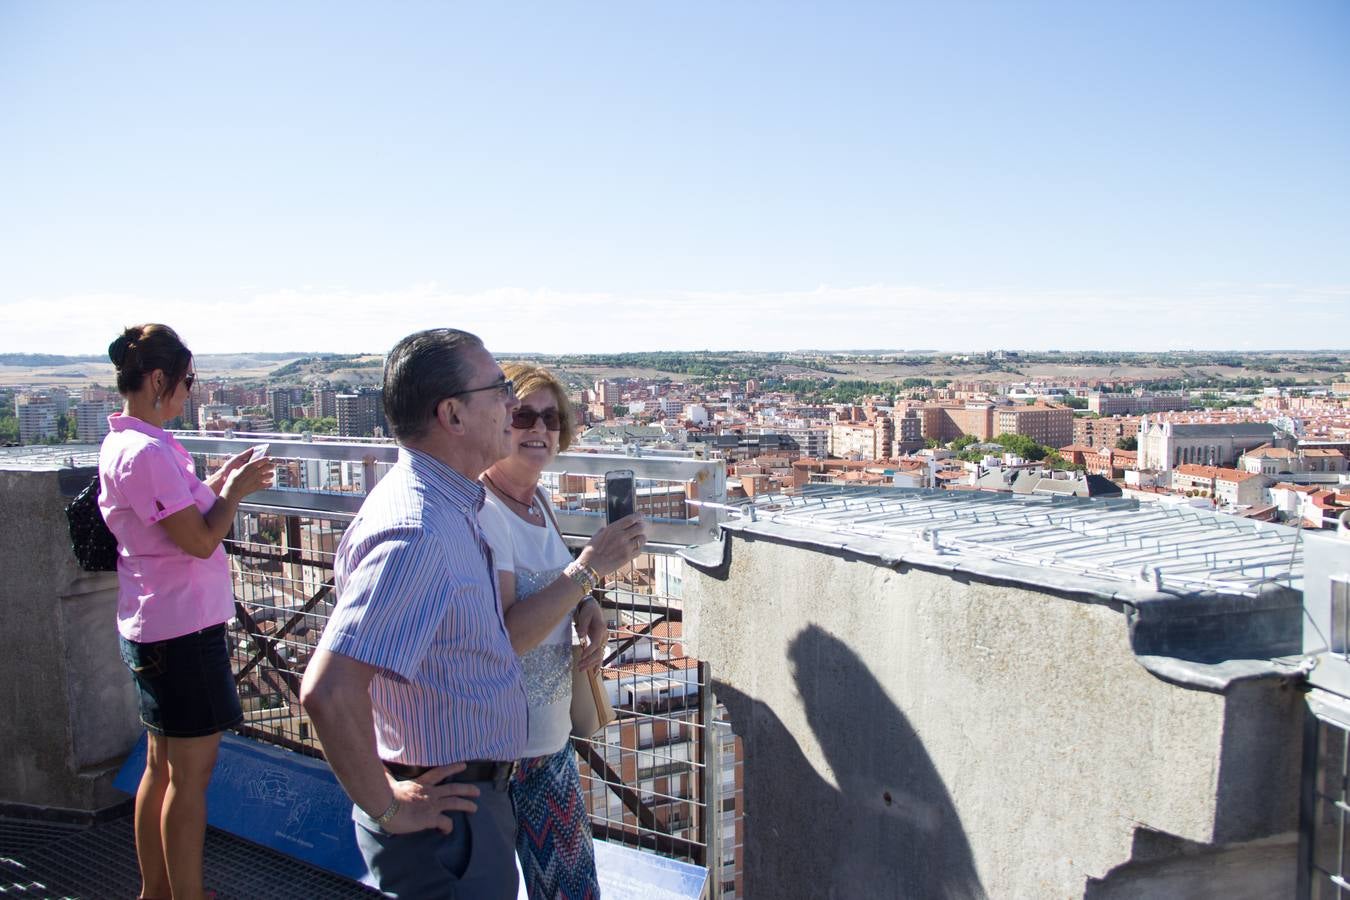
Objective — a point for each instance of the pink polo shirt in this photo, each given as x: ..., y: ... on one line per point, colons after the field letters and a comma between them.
x: 163, y: 591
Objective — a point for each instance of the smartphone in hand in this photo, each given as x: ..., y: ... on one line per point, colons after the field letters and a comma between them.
x: 620, y: 494
x: 258, y: 452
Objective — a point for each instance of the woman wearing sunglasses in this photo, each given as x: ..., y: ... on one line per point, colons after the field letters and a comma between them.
x: 544, y: 590
x: 174, y: 598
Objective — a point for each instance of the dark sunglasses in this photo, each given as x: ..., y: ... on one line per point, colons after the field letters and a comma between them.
x: 524, y: 418
x: 189, y: 379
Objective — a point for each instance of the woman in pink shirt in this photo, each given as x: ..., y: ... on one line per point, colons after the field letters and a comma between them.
x: 174, y: 598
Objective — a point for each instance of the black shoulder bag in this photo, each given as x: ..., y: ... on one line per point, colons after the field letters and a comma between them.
x: 94, y: 545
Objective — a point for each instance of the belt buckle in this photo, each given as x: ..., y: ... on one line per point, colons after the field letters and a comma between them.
x: 501, y: 779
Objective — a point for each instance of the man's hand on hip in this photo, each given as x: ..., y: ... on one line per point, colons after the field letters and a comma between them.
x: 425, y: 802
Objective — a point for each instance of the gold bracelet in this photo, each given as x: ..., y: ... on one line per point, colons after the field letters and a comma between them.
x: 583, y: 575
x: 387, y: 816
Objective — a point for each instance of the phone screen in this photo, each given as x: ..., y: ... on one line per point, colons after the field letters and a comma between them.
x: 258, y: 452
x: 620, y: 499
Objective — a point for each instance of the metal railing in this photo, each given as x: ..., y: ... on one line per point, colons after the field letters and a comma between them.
x: 1324, y: 826
x: 655, y: 778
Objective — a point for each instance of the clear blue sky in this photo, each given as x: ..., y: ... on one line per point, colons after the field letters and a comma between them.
x: 596, y: 176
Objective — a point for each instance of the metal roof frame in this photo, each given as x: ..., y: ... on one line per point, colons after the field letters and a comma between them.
x: 1119, y: 540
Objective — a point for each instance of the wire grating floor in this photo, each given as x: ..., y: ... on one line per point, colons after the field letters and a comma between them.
x: 98, y: 862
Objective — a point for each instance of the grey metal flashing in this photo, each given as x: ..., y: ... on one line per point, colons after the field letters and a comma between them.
x: 1212, y: 628
x: 712, y: 558
x: 1215, y: 678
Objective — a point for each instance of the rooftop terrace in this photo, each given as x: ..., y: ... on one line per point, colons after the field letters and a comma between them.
x: 922, y: 693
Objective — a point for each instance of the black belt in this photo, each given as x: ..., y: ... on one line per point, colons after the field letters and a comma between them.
x: 499, y: 773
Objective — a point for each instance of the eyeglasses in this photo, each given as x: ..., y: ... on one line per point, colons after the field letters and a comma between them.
x: 189, y: 379
x: 525, y: 417
x: 506, y: 387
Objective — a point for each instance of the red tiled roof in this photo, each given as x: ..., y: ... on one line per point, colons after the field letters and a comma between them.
x: 652, y: 667
x: 1268, y: 452
x: 1215, y: 472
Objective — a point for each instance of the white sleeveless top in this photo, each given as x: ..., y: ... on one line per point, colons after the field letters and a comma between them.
x: 537, y: 556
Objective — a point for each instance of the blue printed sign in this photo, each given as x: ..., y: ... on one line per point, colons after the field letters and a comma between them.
x: 276, y: 798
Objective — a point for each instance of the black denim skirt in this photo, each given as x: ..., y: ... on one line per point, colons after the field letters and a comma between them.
x: 184, y: 684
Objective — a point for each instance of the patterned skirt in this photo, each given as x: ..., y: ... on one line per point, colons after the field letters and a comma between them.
x: 553, y: 831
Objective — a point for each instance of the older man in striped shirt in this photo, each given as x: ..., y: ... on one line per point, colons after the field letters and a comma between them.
x: 415, y: 691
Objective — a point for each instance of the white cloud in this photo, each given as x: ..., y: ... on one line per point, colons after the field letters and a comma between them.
x: 338, y: 319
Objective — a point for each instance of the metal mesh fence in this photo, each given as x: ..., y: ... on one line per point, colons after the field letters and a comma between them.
x: 663, y: 777
x: 1325, y: 824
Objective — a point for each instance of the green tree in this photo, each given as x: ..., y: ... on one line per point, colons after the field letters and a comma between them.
x: 1055, y: 461
x: 9, y: 430
x: 962, y: 442
x: 326, y: 425
x: 1023, y: 446
x: 1129, y: 442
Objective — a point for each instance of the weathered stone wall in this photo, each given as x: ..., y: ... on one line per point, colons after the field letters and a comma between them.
x: 918, y: 734
x: 68, y: 705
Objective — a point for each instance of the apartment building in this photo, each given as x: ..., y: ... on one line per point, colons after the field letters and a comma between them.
x: 1136, y: 404
x: 862, y: 440
x: 325, y: 403
x: 735, y: 446
x: 1110, y: 462
x: 37, y: 415
x: 943, y: 422
x: 1104, y: 432
x: 91, y: 419
x: 812, y: 440
x: 1048, y: 425
x: 361, y: 414
x: 279, y: 404
x: 908, y: 433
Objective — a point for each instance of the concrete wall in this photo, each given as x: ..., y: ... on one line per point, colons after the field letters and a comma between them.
x: 68, y: 704
x: 914, y: 734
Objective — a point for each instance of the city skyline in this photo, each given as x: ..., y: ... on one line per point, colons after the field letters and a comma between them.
x: 599, y: 178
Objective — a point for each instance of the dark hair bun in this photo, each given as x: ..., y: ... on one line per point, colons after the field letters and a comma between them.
x: 117, y: 350
x: 141, y: 349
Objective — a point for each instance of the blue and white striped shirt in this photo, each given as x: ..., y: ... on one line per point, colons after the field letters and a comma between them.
x: 417, y: 599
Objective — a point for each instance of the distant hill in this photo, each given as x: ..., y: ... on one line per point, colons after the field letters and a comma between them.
x: 219, y: 360
x: 34, y: 360
x: 328, y: 364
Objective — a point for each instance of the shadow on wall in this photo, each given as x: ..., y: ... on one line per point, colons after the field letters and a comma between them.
x: 888, y: 830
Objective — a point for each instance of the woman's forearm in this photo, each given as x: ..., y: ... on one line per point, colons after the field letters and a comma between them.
x: 531, y: 620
